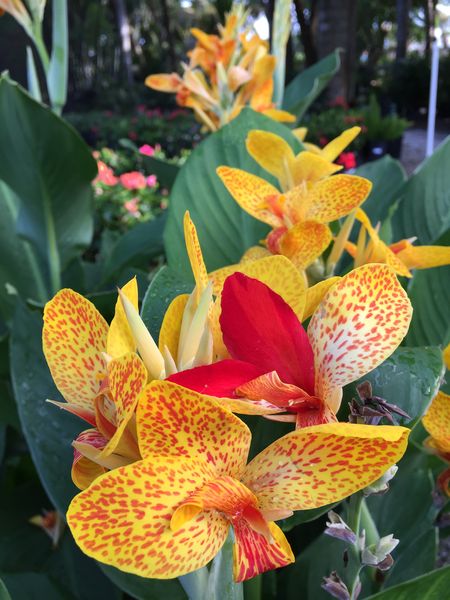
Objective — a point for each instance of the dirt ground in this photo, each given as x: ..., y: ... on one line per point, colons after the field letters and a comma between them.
x: 413, y: 148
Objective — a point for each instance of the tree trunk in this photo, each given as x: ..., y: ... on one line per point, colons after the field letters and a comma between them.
x: 125, y: 39
x: 403, y: 7
x: 306, y: 32
x: 336, y: 28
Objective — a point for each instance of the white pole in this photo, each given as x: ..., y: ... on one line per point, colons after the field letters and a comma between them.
x: 433, y: 98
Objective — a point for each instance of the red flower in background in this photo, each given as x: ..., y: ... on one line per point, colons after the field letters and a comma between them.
x: 347, y: 160
x: 133, y: 180
x: 105, y: 174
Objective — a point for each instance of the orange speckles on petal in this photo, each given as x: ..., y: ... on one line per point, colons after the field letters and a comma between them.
x: 335, y: 197
x: 437, y: 422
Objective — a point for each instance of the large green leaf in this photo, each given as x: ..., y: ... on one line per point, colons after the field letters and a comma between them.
x: 19, y: 267
x: 224, y: 229
x: 309, y: 84
x: 433, y: 586
x: 387, y: 176
x: 409, y: 378
x: 4, y: 594
x: 145, y: 589
x: 429, y: 292
x: 47, y: 164
x: 424, y: 209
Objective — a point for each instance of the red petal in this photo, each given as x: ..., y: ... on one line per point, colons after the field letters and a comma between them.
x: 258, y: 326
x: 219, y: 380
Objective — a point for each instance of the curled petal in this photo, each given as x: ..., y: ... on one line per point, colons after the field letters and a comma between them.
x: 118, y: 522
x: 172, y: 420
x: 252, y: 193
x: 318, y: 465
x: 74, y: 340
x: 120, y: 339
x: 359, y: 323
x: 195, y: 255
x: 85, y: 470
x: 272, y: 153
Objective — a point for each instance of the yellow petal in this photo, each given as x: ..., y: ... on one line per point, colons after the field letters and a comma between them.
x: 254, y: 253
x: 446, y: 356
x: 300, y: 133
x: 437, y: 421
x: 359, y: 323
x: 424, y: 257
x: 164, y: 82
x: 195, y: 255
x: 74, y: 340
x: 315, y: 294
x: 85, y: 470
x: 332, y: 150
x: 275, y: 271
x: 334, y: 197
x: 321, y: 464
x: 120, y: 339
x: 119, y: 522
x: 127, y: 377
x: 305, y: 242
x: 272, y: 153
x: 310, y: 167
x: 251, y: 193
x: 169, y: 334
x: 282, y: 116
x: 175, y: 421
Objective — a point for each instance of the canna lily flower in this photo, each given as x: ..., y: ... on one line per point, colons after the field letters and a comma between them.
x: 299, y: 217
x: 360, y: 321
x: 437, y: 423
x: 99, y: 375
x: 17, y: 9
x: 401, y: 256
x: 170, y: 513
x: 332, y: 149
x: 275, y: 155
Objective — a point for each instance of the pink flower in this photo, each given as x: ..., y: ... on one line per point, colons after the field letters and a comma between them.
x: 152, y: 181
x: 132, y: 206
x: 147, y: 150
x: 105, y: 174
x: 133, y: 180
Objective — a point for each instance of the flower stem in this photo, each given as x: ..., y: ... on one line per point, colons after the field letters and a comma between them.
x: 221, y: 584
x: 40, y: 46
x: 354, y: 506
x: 195, y: 584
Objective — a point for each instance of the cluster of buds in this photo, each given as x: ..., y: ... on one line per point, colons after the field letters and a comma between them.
x: 370, y: 409
x: 225, y: 73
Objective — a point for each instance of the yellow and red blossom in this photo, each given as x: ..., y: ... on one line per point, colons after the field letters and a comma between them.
x: 169, y: 514
x: 437, y: 423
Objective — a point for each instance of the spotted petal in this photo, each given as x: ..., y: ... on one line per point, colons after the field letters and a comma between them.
x: 169, y: 335
x: 85, y: 470
x: 335, y: 197
x: 127, y: 377
x: 424, y: 257
x: 359, y: 323
x: 118, y: 521
x: 437, y: 421
x: 272, y: 153
x: 120, y: 339
x: 195, y: 255
x: 315, y: 294
x: 318, y: 465
x: 251, y: 193
x: 305, y: 242
x: 174, y: 421
x: 74, y: 340
x: 310, y: 167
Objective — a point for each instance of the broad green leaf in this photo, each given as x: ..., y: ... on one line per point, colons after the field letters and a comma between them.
x: 387, y: 176
x: 309, y: 84
x: 304, y: 516
x: 424, y: 208
x: 4, y: 594
x: 49, y: 167
x: 20, y: 268
x: 164, y: 287
x: 139, y: 245
x: 224, y: 229
x: 34, y: 586
x: 409, y: 378
x: 429, y: 292
x: 433, y: 586
x: 165, y: 172
x: 145, y: 589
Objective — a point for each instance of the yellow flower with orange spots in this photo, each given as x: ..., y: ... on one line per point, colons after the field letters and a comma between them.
x: 225, y: 73
x: 170, y: 513
x: 402, y: 256
x: 437, y: 423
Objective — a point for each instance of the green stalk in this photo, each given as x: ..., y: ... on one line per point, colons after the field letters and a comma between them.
x: 280, y: 36
x: 221, y: 584
x: 195, y: 583
x: 38, y: 40
x: 33, y: 81
x: 54, y: 261
x: 353, y: 520
x: 57, y: 72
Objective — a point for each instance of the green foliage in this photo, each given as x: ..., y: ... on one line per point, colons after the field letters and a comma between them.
x: 225, y: 230
x: 4, y: 595
x: 378, y: 127
x: 433, y: 586
x: 301, y: 92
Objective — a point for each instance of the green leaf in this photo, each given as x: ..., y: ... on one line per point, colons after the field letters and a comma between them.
x: 47, y: 164
x: 409, y: 378
x: 309, y: 84
x: 424, y: 208
x: 429, y: 293
x: 4, y: 594
x: 433, y: 586
x: 19, y: 267
x: 164, y: 287
x: 165, y: 172
x: 387, y: 176
x: 34, y: 586
x: 141, y: 244
x: 224, y: 229
x: 145, y: 589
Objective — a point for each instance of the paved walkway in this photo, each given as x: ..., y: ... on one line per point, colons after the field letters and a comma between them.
x: 414, y: 143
